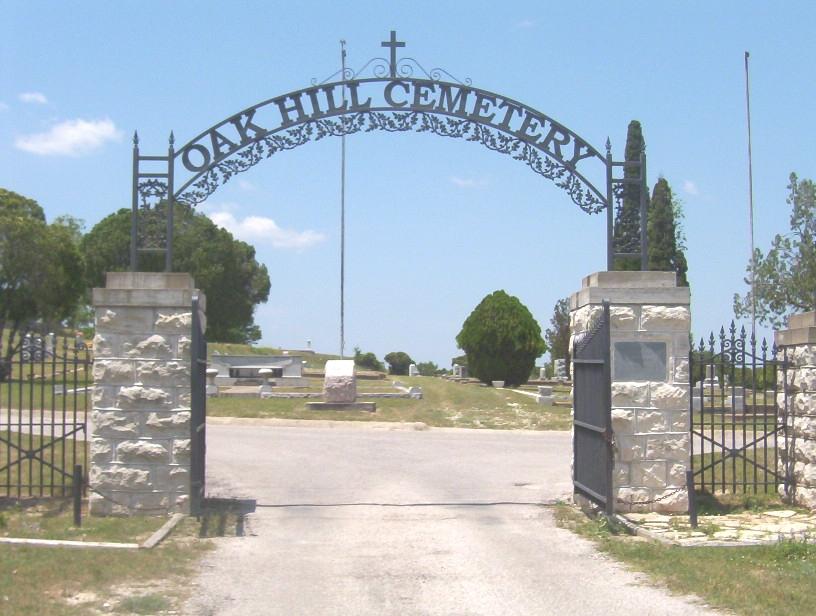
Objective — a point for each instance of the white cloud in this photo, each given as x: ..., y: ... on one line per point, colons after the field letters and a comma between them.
x: 3, y: 106
x: 262, y: 229
x: 70, y: 138
x: 38, y: 98
x: 690, y: 188
x: 526, y: 24
x: 246, y: 185
x: 468, y: 182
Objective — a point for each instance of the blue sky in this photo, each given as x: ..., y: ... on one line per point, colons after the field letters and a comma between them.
x: 433, y: 225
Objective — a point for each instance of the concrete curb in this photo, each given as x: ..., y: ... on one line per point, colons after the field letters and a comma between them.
x: 148, y: 544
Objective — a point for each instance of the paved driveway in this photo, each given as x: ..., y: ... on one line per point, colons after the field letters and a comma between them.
x: 365, y: 520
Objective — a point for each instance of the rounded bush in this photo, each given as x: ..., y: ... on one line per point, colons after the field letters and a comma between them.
x: 501, y: 340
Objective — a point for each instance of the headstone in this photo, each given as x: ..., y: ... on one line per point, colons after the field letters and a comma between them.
x: 212, y: 388
x: 560, y: 368
x: 498, y: 384
x: 340, y: 383
x: 413, y: 370
x: 542, y: 374
x: 711, y: 380
x: 545, y: 395
x: 340, y: 389
x: 266, y: 387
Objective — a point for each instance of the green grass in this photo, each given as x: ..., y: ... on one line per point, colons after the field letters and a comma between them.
x: 751, y: 581
x: 755, y: 495
x: 69, y: 582
x: 32, y: 471
x: 444, y: 404
x: 145, y: 604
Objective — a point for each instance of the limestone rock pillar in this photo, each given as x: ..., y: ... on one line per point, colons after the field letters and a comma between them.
x: 650, y: 326
x: 798, y: 452
x: 140, y: 423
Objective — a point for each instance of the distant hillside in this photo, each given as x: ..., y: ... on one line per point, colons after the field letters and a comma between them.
x: 313, y: 360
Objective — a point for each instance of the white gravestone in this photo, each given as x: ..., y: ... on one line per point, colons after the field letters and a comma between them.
x: 413, y: 370
x: 340, y: 383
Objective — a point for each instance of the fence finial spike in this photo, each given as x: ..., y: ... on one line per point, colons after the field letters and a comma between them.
x: 135, y: 138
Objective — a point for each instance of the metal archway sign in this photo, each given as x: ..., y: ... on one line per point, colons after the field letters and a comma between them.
x: 384, y: 95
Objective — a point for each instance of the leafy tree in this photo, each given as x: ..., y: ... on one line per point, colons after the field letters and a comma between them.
x: 501, y: 340
x: 223, y: 267
x: 460, y: 360
x: 557, y: 335
x: 398, y: 362
x: 428, y: 368
x: 41, y: 274
x: 368, y: 360
x: 785, y: 278
x: 627, y: 218
x: 664, y: 252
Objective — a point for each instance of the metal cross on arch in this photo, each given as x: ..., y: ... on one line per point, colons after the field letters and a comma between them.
x: 393, y: 95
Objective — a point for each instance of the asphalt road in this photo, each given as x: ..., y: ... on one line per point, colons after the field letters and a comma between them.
x: 358, y: 520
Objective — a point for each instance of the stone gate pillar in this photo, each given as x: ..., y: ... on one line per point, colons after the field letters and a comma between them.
x: 798, y: 452
x: 650, y: 326
x: 140, y: 423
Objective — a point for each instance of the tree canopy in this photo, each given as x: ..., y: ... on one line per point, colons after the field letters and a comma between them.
x: 557, y: 336
x: 398, y: 362
x: 665, y: 244
x: 41, y: 273
x: 367, y: 360
x: 785, y: 278
x: 627, y: 218
x: 501, y: 340
x: 223, y: 267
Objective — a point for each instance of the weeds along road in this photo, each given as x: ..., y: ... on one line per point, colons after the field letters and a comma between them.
x: 362, y: 519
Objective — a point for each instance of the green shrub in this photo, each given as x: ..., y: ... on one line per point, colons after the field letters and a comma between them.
x: 398, y: 362
x: 429, y: 368
x: 368, y: 361
x: 501, y: 340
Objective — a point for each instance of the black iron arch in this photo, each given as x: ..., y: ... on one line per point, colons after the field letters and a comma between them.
x: 395, y: 105
x: 390, y: 99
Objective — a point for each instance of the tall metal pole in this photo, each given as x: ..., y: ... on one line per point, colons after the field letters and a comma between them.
x: 343, y: 214
x: 644, y: 214
x: 134, y: 215
x: 750, y: 200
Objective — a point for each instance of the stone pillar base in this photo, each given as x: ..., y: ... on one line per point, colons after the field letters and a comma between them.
x: 140, y: 423
x: 798, y: 454
x: 650, y: 324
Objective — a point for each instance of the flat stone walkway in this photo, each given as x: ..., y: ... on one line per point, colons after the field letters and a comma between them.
x: 746, y: 528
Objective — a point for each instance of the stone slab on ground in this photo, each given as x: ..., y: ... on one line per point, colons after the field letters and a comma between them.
x: 735, y: 529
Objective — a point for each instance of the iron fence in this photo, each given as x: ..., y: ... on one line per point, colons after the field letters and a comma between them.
x: 738, y: 405
x: 45, y: 391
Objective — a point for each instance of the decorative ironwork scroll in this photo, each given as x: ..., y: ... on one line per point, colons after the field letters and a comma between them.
x: 394, y: 95
x: 206, y: 182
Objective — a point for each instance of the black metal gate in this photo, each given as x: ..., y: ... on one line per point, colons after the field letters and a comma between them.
x: 198, y: 404
x: 45, y: 391
x: 737, y: 390
x: 592, y: 401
